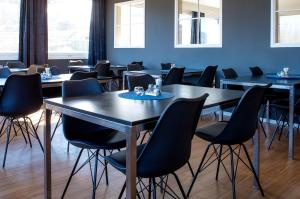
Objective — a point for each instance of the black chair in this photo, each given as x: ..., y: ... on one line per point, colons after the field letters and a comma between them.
x: 103, y: 69
x: 75, y: 62
x: 256, y: 71
x: 79, y: 75
x: 174, y: 76
x: 4, y: 73
x: 55, y: 70
x: 169, y: 147
x: 134, y: 67
x: 15, y: 64
x: 86, y: 135
x: 138, y: 63
x: 230, y: 73
x: 207, y: 77
x: 237, y: 131
x: 139, y: 80
x: 21, y: 96
x: 280, y: 109
x: 166, y: 66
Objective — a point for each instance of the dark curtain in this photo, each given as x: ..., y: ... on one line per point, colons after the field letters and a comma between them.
x: 33, y: 38
x: 196, y: 28
x: 97, y: 41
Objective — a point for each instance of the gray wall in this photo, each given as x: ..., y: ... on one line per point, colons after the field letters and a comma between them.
x: 246, y: 39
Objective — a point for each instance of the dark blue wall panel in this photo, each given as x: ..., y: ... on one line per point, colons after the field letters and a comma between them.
x: 246, y: 39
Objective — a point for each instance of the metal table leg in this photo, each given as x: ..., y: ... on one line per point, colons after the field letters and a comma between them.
x: 256, y: 154
x: 291, y: 123
x: 131, y: 163
x: 47, y: 155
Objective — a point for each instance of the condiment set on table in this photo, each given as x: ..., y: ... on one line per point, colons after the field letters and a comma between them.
x: 46, y: 74
x: 153, y: 90
x: 284, y: 72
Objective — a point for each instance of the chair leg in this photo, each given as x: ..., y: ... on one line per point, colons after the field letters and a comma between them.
x: 95, y: 175
x: 154, y: 188
x: 199, y: 169
x: 232, y: 173
x: 2, y: 127
x: 105, y: 168
x: 273, y: 136
x: 122, y: 190
x: 72, y: 173
x: 7, y: 142
x: 36, y: 135
x: 219, y: 162
x: 68, y: 148
x: 27, y: 132
x: 41, y: 117
x: 20, y: 127
x: 150, y: 188
x: 56, y: 126
x: 180, y: 186
x: 253, y: 170
x: 190, y: 168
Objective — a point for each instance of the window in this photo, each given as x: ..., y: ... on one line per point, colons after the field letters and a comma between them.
x: 285, y: 22
x: 9, y: 29
x: 198, y: 23
x: 68, y: 28
x: 129, y: 26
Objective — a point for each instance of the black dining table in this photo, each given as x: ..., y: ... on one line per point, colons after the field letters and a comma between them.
x: 128, y: 117
x: 156, y: 73
x: 283, y: 83
x: 57, y: 80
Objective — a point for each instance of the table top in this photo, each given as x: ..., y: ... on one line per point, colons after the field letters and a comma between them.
x: 163, y: 72
x: 91, y: 67
x: 18, y: 70
x: 109, y: 106
x: 262, y: 80
x: 55, y: 79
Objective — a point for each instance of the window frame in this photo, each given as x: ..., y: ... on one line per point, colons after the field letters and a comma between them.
x: 12, y: 55
x: 176, y: 45
x: 115, y: 26
x: 56, y: 55
x: 274, y: 30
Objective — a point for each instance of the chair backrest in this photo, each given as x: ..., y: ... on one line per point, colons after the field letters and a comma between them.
x: 77, y: 88
x: 138, y: 62
x: 166, y: 66
x: 55, y: 70
x: 174, y: 76
x: 208, y: 76
x: 243, y: 122
x: 134, y: 67
x: 139, y: 80
x: 230, y: 73
x: 103, y: 69
x: 80, y: 75
x: 15, y: 64
x: 36, y: 69
x: 4, y: 73
x: 21, y: 95
x: 256, y: 71
x: 169, y: 147
x: 75, y: 62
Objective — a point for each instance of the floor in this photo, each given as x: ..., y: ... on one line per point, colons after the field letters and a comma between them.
x: 23, y: 175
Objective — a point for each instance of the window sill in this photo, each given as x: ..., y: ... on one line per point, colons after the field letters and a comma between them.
x: 199, y: 46
x: 285, y: 45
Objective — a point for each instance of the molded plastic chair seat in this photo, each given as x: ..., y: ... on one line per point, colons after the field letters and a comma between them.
x: 118, y: 160
x: 101, y: 138
x: 211, y: 132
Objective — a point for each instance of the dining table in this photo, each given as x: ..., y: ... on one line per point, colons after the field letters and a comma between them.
x: 57, y: 80
x: 129, y: 117
x: 289, y: 83
x: 156, y: 73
